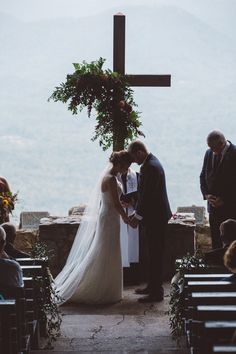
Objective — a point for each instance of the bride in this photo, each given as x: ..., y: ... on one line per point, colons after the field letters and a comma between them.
x: 93, y: 271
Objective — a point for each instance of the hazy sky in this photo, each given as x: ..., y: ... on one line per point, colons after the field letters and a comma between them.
x: 37, y: 9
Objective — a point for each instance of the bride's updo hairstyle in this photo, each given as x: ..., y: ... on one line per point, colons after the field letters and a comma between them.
x: 120, y: 157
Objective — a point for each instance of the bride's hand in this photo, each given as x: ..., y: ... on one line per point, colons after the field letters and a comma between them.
x: 126, y: 220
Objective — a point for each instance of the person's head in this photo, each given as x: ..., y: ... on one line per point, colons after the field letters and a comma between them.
x: 10, y: 231
x: 2, y: 239
x: 137, y: 151
x: 230, y: 257
x: 216, y: 141
x: 228, y: 231
x: 120, y: 160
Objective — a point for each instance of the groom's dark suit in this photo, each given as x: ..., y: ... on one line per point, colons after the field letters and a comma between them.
x: 153, y: 206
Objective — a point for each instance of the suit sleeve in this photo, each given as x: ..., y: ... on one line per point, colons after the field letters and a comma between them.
x: 148, y: 190
x: 203, y: 184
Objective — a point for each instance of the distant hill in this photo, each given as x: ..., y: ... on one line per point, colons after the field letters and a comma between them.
x: 47, y: 153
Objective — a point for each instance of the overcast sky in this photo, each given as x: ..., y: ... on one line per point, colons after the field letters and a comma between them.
x: 37, y: 9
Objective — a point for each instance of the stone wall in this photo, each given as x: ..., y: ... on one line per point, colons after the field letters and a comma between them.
x: 25, y: 238
x: 179, y: 242
x: 59, y: 235
x: 202, y: 238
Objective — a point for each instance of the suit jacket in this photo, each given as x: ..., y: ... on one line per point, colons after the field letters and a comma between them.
x: 221, y: 181
x: 216, y: 256
x: 152, y: 204
x: 13, y: 252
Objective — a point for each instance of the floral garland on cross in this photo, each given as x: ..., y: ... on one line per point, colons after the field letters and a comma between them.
x: 107, y: 92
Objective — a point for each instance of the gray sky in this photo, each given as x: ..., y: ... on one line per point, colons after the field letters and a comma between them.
x: 37, y: 9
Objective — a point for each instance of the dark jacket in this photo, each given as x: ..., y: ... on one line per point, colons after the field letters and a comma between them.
x: 220, y: 182
x: 215, y: 257
x: 13, y: 252
x: 153, y: 204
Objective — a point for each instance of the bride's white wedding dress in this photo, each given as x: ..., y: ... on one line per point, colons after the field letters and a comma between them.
x: 93, y: 272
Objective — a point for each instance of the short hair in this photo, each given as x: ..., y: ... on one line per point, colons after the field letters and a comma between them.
x: 228, y: 230
x: 137, y: 145
x: 215, y: 138
x: 10, y: 231
x: 2, y: 236
x: 230, y: 257
x: 120, y: 157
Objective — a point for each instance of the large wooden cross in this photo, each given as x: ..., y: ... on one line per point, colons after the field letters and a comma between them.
x: 119, y: 59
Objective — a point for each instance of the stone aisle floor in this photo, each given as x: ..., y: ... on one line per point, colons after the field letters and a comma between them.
x: 126, y: 327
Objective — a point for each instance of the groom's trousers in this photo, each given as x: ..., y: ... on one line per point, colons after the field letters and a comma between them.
x: 155, y: 237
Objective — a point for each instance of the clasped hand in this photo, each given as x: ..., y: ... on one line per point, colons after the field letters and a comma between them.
x: 216, y: 202
x: 133, y: 221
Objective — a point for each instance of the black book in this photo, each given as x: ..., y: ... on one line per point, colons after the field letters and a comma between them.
x: 129, y: 197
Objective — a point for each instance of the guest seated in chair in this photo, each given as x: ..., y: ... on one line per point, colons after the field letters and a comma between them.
x: 230, y: 261
x: 10, y: 271
x: 228, y: 235
x: 10, y: 231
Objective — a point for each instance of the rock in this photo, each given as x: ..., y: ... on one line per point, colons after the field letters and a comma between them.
x: 199, y: 213
x: 58, y: 233
x: 31, y: 219
x: 25, y: 239
x: 77, y: 210
x: 203, y: 238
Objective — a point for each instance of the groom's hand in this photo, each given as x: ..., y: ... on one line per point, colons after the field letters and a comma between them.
x: 133, y: 221
x: 125, y: 205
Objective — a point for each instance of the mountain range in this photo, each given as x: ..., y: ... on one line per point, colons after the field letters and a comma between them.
x: 46, y: 152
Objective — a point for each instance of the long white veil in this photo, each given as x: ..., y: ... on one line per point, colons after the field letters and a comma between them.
x: 67, y: 281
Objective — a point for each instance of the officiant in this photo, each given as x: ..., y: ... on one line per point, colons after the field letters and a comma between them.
x: 129, y: 237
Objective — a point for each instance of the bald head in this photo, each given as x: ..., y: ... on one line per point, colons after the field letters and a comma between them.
x: 216, y: 141
x: 2, y: 239
x: 10, y: 231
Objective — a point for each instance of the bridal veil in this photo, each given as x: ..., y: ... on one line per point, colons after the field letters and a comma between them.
x: 69, y: 278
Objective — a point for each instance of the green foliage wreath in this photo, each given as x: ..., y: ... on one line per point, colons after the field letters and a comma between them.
x: 109, y: 94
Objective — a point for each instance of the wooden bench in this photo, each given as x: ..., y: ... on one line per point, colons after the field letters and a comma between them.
x: 32, y: 270
x: 27, y: 313
x: 32, y: 311
x: 32, y: 261
x: 8, y: 327
x: 210, y: 309
x: 210, y: 331
x: 212, y: 312
x: 224, y: 349
x: 211, y: 298
x: 208, y: 286
x: 205, y: 277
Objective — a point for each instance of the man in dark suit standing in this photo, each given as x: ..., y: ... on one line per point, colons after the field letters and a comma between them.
x: 218, y: 183
x: 153, y: 210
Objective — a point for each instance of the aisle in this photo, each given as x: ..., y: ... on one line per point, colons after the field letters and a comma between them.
x: 127, y: 327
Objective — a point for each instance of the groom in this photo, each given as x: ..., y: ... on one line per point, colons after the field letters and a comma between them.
x: 153, y: 210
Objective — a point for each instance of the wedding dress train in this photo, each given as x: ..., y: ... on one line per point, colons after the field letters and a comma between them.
x: 93, y: 272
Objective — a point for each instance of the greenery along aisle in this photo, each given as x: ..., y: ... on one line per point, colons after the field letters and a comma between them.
x: 110, y: 95
x: 176, y: 310
x: 47, y: 298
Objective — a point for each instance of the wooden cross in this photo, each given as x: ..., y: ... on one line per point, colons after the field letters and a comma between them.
x: 119, y: 59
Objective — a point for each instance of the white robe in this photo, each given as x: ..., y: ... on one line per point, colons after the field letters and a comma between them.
x: 129, y: 237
